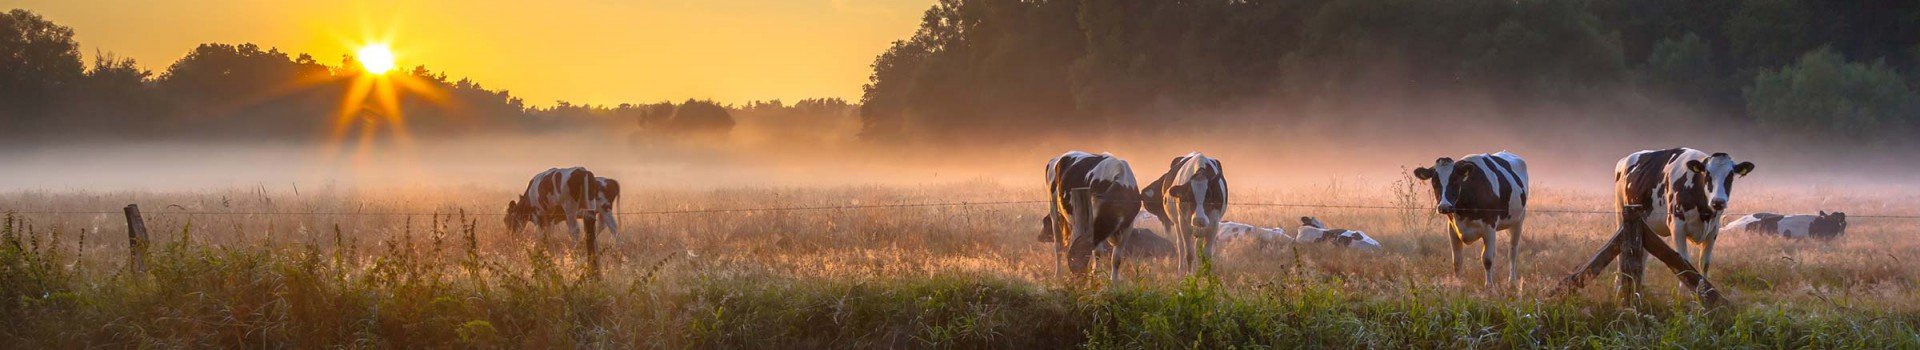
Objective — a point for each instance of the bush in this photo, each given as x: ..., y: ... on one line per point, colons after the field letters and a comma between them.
x: 1825, y: 96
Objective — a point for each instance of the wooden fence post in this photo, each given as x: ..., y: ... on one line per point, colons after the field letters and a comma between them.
x: 1633, y: 256
x: 136, y: 239
x: 592, y: 247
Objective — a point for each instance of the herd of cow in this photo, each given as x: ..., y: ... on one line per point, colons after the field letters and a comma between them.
x: 1683, y: 192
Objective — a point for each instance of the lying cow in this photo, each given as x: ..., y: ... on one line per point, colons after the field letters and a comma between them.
x: 1312, y: 230
x: 557, y: 195
x: 1823, y: 226
x: 1230, y: 231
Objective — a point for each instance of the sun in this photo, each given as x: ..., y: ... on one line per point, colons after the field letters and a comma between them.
x: 375, y: 58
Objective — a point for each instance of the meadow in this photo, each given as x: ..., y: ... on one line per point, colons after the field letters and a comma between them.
x: 434, y: 267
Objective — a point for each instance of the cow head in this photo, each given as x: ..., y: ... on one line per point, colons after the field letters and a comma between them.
x: 1445, y: 176
x: 1718, y: 173
x: 519, y: 213
x: 1828, y: 225
x: 1312, y: 222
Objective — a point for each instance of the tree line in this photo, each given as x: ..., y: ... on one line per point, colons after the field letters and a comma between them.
x: 1839, y: 70
x: 50, y: 92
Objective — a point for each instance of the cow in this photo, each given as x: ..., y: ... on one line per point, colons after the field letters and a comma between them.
x: 1823, y: 226
x: 1230, y: 231
x: 1683, y: 192
x: 556, y: 195
x: 1190, y: 200
x: 1481, y: 195
x: 1314, y: 231
x: 1115, y: 204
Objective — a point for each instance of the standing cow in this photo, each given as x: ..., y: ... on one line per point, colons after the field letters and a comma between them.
x: 556, y: 195
x: 1481, y: 194
x: 1115, y: 203
x: 1190, y: 199
x: 1684, y: 190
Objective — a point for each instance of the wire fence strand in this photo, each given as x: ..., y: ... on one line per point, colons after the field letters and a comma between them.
x: 852, y: 207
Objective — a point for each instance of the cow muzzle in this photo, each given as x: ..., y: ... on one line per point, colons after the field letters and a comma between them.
x: 1719, y: 205
x: 1444, y: 208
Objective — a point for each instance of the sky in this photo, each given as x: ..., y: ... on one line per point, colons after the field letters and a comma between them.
x: 581, y: 51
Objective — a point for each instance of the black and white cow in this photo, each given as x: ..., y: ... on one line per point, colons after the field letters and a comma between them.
x: 1190, y: 200
x: 1481, y: 194
x: 1685, y: 190
x: 1230, y: 231
x: 1116, y: 201
x: 1314, y: 231
x: 556, y: 195
x: 1823, y: 226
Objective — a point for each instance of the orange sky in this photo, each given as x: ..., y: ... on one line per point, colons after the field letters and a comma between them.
x: 583, y: 51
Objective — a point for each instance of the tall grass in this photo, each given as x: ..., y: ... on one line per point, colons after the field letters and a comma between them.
x: 965, y: 277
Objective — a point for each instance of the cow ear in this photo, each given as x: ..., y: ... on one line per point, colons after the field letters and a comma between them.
x: 1696, y: 166
x: 1743, y: 168
x: 1423, y: 173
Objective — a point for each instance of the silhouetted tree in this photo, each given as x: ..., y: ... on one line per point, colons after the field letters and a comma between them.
x: 1823, y: 95
x: 38, y: 59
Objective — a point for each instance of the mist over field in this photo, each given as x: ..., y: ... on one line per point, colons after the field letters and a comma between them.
x: 288, y: 200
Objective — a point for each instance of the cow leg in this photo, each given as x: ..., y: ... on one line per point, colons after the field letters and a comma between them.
x: 1680, y: 231
x: 573, y: 226
x: 1487, y: 249
x: 1513, y: 256
x: 1454, y: 237
x: 1116, y: 249
x: 1179, y: 247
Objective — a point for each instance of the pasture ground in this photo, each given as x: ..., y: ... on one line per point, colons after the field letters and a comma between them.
x: 942, y: 277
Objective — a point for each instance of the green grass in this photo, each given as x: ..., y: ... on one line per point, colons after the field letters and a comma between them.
x: 406, y: 294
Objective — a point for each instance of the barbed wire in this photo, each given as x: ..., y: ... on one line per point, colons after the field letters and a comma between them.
x: 856, y: 207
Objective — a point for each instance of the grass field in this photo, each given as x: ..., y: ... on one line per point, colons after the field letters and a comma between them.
x: 940, y: 277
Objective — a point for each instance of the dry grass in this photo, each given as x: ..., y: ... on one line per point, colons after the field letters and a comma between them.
x: 901, y: 277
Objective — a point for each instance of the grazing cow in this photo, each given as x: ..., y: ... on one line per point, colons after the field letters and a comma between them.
x: 1115, y: 203
x: 556, y: 195
x: 1190, y: 200
x: 1823, y: 226
x: 1312, y: 230
x: 1230, y: 231
x: 1481, y: 195
x: 1684, y: 191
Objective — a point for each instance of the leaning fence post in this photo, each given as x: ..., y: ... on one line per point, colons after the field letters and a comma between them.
x: 136, y: 239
